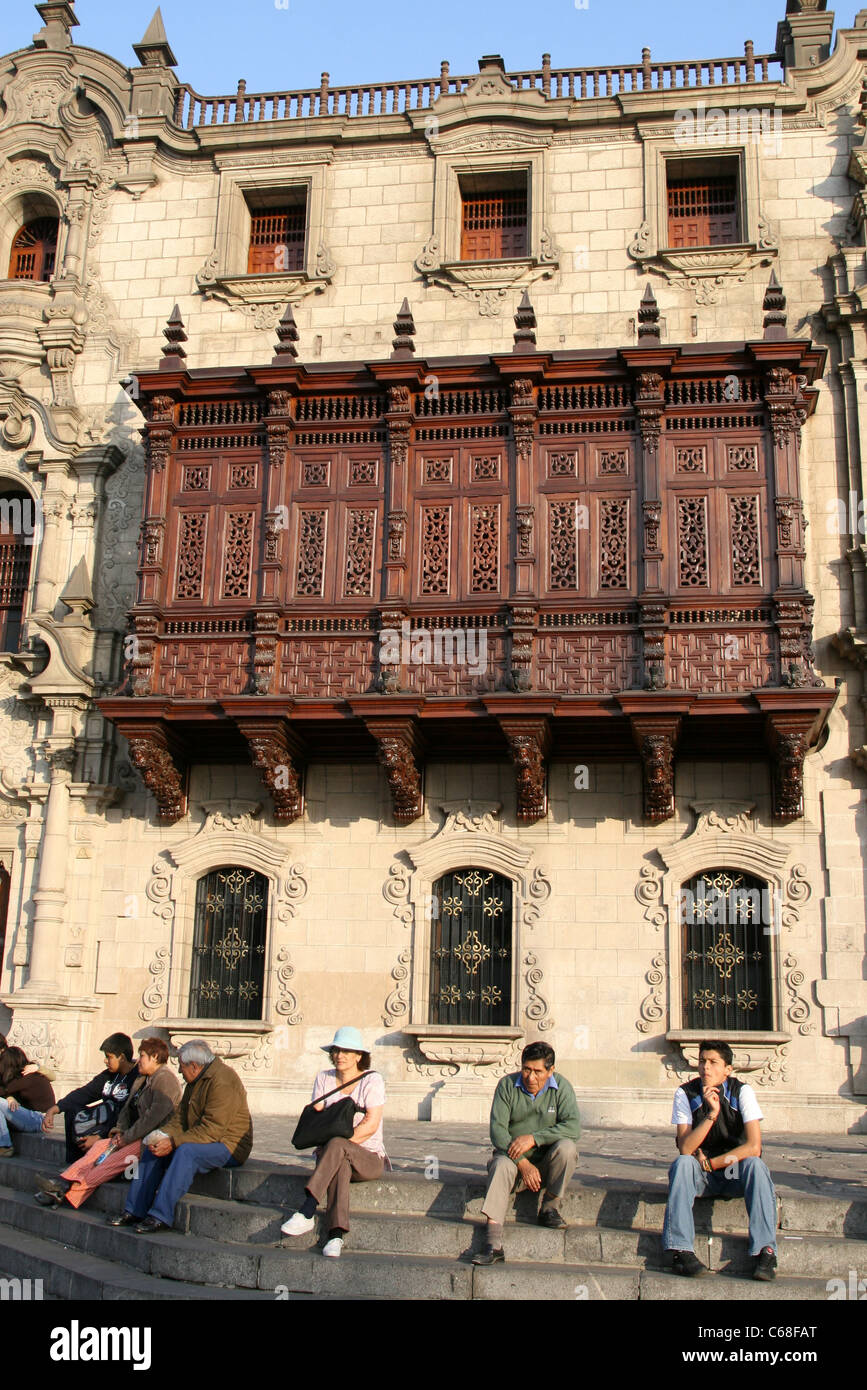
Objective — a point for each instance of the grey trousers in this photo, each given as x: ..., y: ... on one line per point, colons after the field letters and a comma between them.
x: 556, y: 1164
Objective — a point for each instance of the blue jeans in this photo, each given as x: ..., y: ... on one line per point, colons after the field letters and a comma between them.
x: 686, y: 1181
x: 173, y: 1175
x: 19, y: 1118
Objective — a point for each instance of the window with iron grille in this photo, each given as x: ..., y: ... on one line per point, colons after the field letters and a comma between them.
x: 15, y: 556
x: 471, y: 948
x: 727, y: 922
x: 34, y: 250
x: 277, y: 237
x: 494, y: 218
x: 702, y: 210
x: 228, y: 969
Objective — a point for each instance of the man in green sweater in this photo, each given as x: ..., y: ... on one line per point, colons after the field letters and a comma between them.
x: 534, y: 1128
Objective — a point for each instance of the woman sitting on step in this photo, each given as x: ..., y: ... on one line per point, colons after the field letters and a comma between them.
x: 152, y: 1101
x: 342, y: 1161
x: 25, y: 1094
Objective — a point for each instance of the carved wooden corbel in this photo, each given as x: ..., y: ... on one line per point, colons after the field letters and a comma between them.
x: 398, y: 748
x: 277, y: 753
x: 656, y: 739
x: 787, y: 736
x: 529, y: 743
x: 157, y: 755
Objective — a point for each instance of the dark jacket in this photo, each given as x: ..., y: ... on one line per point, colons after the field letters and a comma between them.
x: 32, y: 1090
x: 213, y: 1110
x: 152, y: 1101
x: 109, y: 1087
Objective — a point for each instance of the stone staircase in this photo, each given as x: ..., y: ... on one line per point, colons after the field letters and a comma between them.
x: 410, y: 1239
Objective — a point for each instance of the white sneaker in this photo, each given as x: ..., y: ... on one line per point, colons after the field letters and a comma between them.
x: 298, y: 1225
x: 334, y: 1248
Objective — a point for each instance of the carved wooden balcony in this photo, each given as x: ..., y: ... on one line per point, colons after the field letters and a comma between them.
x: 574, y: 554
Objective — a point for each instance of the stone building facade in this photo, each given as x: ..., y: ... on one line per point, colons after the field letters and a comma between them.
x: 399, y: 288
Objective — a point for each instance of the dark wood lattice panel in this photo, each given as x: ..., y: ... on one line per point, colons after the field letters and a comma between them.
x: 471, y: 948
x: 744, y: 526
x: 692, y: 552
x: 276, y: 241
x: 613, y: 543
x: 742, y: 458
x: 204, y: 670
x: 563, y: 542
x: 484, y: 548
x: 360, y: 540
x: 34, y: 250
x: 310, y: 568
x: 237, y: 554
x: 196, y: 477
x: 476, y: 667
x: 727, y: 924
x: 228, y: 966
x: 494, y: 226
x: 587, y: 663
x: 191, y: 555
x: 335, y: 666
x: 435, y: 556
x: 702, y: 212
x: 718, y: 660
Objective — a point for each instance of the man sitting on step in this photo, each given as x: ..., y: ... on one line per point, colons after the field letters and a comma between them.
x: 211, y: 1128
x: 720, y: 1141
x: 534, y: 1128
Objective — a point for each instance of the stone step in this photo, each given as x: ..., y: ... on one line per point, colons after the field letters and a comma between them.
x: 519, y: 1281
x: 260, y: 1183
x: 75, y: 1275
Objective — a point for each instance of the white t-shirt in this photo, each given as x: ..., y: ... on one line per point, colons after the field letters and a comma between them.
x: 369, y: 1091
x: 749, y: 1106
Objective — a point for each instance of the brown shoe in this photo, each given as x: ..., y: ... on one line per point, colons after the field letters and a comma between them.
x: 550, y: 1217
x: 488, y: 1256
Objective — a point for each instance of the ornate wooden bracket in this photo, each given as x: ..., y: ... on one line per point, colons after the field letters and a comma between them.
x: 656, y: 737
x: 529, y: 743
x: 788, y: 741
x: 157, y: 755
x: 399, y: 745
x: 278, y: 754
x: 398, y: 422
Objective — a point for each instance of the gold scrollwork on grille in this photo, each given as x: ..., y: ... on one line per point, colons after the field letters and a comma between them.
x: 748, y: 1000
x: 725, y: 955
x: 704, y: 999
x: 491, y: 996
x: 450, y: 995
x: 452, y: 907
x: 212, y: 903
x: 474, y: 883
x: 472, y: 952
x: 236, y: 880
x: 492, y: 907
x: 231, y: 949
x: 248, y: 989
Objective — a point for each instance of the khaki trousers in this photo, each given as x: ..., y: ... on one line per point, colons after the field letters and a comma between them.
x: 556, y: 1163
x: 340, y: 1163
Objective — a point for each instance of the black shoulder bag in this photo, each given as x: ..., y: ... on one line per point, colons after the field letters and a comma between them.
x: 316, y: 1127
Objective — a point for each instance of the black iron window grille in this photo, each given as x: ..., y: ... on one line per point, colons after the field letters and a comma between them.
x: 228, y: 971
x: 727, y: 921
x: 471, y: 948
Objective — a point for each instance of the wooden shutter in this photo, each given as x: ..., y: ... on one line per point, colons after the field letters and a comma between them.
x: 702, y: 212
x: 276, y: 241
x: 34, y: 251
x: 494, y: 226
x: 14, y: 573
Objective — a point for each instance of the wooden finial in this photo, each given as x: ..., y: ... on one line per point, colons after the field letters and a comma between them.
x: 525, y: 326
x: 774, y: 309
x: 287, y: 336
x: 648, y: 319
x: 404, y: 330
x: 173, y: 354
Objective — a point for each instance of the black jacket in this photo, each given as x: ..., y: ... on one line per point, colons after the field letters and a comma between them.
x: 109, y: 1087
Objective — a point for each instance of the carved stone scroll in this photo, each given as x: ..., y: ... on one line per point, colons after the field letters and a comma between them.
x: 656, y: 738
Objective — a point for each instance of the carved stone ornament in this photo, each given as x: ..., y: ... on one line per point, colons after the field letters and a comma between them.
x: 798, y: 1008
x: 537, y: 1008
x: 475, y: 1047
x: 723, y: 817
x: 704, y: 272
x: 648, y: 891
x: 40, y: 1040
x: 154, y: 996
x: 287, y: 1005
x: 652, y: 1007
x: 263, y: 298
x: 488, y: 284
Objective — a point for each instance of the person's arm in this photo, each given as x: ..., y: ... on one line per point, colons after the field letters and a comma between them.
x: 212, y: 1123
x: 568, y: 1122
x: 501, y: 1115
x: 751, y: 1148
x: 85, y: 1095
x: 369, y: 1125
x: 691, y: 1137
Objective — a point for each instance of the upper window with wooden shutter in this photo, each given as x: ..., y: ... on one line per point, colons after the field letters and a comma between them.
x: 278, y: 234
x: 702, y: 204
x: 34, y: 250
x: 493, y: 217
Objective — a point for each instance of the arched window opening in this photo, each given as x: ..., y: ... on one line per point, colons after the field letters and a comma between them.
x: 17, y: 526
x: 228, y: 969
x: 34, y: 250
x: 727, y: 921
x: 471, y: 948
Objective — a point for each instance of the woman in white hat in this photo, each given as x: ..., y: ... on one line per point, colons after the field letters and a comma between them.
x: 342, y: 1161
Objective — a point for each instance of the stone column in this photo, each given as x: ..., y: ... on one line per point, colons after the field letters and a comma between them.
x: 50, y: 895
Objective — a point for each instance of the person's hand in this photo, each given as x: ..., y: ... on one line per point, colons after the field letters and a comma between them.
x: 12, y: 1102
x: 161, y: 1149
x: 48, y: 1117
x: 703, y: 1161
x: 712, y: 1100
x: 520, y: 1146
x: 89, y: 1141
x: 530, y: 1174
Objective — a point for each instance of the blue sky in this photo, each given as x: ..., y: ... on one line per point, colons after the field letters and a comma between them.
x: 276, y: 49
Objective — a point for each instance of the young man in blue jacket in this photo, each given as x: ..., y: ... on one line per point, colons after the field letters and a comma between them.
x: 535, y: 1126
